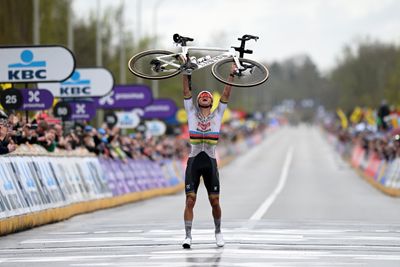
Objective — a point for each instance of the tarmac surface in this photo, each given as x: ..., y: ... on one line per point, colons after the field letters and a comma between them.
x: 290, y: 201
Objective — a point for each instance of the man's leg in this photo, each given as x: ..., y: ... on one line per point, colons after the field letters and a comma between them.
x: 192, y: 180
x: 188, y: 214
x: 216, y: 211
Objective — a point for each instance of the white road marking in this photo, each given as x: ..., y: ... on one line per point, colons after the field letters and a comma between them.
x: 271, y: 198
x: 76, y: 240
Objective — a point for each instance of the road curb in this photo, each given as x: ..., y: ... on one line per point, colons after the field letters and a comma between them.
x: 387, y: 190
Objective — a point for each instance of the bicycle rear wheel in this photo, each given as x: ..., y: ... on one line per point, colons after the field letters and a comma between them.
x: 154, y: 64
x: 253, y: 75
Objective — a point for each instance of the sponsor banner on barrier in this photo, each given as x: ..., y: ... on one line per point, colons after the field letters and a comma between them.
x: 29, y: 184
x: 110, y: 176
x: 48, y: 180
x: 34, y: 194
x: 129, y: 176
x: 372, y: 166
x: 98, y: 177
x: 11, y: 198
x: 35, y: 64
x: 392, y: 174
x: 67, y: 182
x: 356, y: 156
x: 169, y: 173
x: 160, y: 109
x: 126, y: 97
x: 381, y: 171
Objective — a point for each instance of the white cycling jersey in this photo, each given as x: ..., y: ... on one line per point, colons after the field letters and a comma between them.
x: 203, y: 131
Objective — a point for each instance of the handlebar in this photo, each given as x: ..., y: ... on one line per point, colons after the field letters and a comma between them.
x: 243, y: 40
x: 247, y: 37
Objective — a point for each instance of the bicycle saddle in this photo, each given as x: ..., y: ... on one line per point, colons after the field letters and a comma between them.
x: 181, y: 39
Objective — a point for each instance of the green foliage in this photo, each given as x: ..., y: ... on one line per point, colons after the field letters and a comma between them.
x: 296, y: 78
x: 54, y: 21
x: 392, y: 89
x: 366, y: 75
x: 15, y: 22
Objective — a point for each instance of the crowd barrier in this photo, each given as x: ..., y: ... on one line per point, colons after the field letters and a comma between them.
x: 35, y: 190
x: 382, y: 174
x: 43, y: 188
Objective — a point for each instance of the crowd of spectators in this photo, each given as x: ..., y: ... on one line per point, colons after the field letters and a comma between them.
x: 103, y: 141
x: 381, y: 137
x: 107, y: 142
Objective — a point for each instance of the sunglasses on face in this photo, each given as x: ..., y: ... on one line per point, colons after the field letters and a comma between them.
x: 204, y: 95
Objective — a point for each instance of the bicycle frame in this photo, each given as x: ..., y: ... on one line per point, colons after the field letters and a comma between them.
x: 206, y: 60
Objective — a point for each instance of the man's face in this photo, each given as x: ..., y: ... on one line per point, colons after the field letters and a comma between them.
x: 3, y: 128
x: 204, y: 100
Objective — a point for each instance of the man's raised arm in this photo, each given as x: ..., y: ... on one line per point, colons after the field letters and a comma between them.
x: 186, y: 89
x: 228, y: 88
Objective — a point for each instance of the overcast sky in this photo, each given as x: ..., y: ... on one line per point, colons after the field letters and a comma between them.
x: 318, y: 28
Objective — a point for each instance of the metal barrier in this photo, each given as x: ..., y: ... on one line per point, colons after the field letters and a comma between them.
x: 382, y: 174
x: 31, y: 186
x: 44, y: 188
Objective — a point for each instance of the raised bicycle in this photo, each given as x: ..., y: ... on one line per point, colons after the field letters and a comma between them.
x: 162, y: 64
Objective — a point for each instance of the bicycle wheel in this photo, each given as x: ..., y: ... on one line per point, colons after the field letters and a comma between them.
x: 154, y: 64
x: 254, y: 73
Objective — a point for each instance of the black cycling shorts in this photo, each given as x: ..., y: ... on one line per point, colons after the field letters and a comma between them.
x: 202, y: 165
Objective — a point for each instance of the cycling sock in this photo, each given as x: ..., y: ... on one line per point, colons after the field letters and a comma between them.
x: 188, y: 229
x: 217, y: 223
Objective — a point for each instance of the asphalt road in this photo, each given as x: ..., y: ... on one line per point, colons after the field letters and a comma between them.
x: 290, y: 201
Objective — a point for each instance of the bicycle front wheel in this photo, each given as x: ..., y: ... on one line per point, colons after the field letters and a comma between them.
x: 253, y: 74
x: 155, y: 64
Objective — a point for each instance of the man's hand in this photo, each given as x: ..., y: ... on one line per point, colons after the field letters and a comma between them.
x: 11, y: 147
x: 233, y: 71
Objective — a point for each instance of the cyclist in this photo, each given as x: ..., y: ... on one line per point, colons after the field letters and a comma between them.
x: 204, y: 127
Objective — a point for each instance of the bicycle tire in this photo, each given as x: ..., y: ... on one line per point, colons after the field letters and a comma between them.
x: 256, y: 76
x: 140, y: 65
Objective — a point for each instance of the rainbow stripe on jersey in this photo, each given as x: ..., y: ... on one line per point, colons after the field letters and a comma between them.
x: 197, y: 138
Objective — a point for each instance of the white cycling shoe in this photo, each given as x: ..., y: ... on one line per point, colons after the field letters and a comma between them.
x: 219, y: 240
x: 187, y: 242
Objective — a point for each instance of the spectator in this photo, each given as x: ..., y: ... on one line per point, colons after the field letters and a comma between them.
x: 383, y: 111
x: 6, y: 144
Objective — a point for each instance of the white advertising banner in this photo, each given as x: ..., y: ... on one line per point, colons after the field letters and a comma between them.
x: 12, y: 201
x: 35, y: 64
x: 84, y: 82
x: 127, y: 120
x: 155, y: 128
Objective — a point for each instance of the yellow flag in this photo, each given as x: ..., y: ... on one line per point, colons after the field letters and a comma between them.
x: 5, y: 85
x: 343, y: 119
x: 356, y: 115
x: 369, y: 116
x: 228, y: 114
x: 216, y: 97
